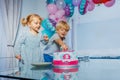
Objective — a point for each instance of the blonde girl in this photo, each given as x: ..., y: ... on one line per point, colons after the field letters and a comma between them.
x: 27, y: 46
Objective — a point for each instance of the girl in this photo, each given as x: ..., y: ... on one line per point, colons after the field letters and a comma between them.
x: 28, y: 44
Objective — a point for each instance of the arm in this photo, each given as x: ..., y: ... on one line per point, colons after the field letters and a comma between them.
x: 18, y: 46
x: 62, y: 44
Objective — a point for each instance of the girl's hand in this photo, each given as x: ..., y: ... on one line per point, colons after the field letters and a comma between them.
x: 18, y: 57
x: 45, y: 37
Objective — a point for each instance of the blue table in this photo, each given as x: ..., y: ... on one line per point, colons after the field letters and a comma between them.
x: 93, y: 69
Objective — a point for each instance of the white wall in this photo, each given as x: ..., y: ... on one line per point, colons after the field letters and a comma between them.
x: 97, y: 32
x: 34, y: 6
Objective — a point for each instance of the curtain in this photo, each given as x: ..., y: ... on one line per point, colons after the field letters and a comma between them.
x: 3, y: 47
x: 10, y: 16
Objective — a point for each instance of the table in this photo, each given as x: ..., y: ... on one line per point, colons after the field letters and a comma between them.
x: 93, y: 69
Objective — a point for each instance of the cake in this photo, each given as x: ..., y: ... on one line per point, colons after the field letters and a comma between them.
x: 65, y: 60
x: 65, y: 74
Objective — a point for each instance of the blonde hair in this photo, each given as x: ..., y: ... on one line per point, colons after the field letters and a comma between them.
x: 29, y: 18
x: 62, y: 24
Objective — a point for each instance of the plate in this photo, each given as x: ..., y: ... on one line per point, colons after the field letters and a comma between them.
x: 42, y: 64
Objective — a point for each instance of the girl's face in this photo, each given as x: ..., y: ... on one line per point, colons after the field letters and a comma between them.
x: 62, y: 32
x: 35, y: 24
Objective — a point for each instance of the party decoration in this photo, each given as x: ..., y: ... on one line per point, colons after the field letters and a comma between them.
x: 97, y: 1
x: 53, y: 22
x: 68, y: 1
x: 52, y: 16
x: 59, y: 13
x: 52, y: 8
x: 70, y: 9
x: 60, y: 4
x: 104, y: 1
x: 85, y: 9
x: 109, y: 3
x: 67, y: 10
x: 62, y: 19
x: 82, y: 7
x: 48, y: 27
x: 91, y: 5
x: 62, y: 9
x: 76, y: 2
x: 100, y: 1
x: 50, y: 1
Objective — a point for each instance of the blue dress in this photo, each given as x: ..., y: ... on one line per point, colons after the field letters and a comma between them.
x: 28, y: 46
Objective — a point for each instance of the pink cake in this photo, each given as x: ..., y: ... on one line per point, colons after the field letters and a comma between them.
x: 65, y: 60
x: 65, y: 74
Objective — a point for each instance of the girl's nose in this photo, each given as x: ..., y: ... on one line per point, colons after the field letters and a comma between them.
x: 38, y: 24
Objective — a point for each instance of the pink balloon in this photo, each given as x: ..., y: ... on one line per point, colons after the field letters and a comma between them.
x: 91, y: 5
x: 52, y: 8
x: 59, y: 13
x: 85, y: 9
x: 109, y: 3
x: 62, y: 19
x: 52, y: 16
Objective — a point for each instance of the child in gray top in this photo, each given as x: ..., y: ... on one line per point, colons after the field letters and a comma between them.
x: 57, y: 41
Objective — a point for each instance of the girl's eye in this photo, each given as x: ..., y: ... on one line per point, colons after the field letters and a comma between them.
x: 36, y: 23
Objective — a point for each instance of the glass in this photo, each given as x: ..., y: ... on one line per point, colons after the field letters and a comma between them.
x: 94, y: 69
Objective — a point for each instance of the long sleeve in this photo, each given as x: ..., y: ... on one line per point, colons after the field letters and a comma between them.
x: 19, y: 43
x: 43, y: 41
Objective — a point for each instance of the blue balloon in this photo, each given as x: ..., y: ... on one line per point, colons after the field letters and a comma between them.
x: 81, y: 7
x: 48, y: 28
x: 68, y: 1
x: 50, y: 1
x: 71, y: 6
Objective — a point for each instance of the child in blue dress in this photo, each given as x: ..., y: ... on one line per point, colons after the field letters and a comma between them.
x: 27, y: 47
x: 57, y: 41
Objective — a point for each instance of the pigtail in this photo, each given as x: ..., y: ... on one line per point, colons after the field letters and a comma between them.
x: 24, y: 21
x: 28, y: 19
